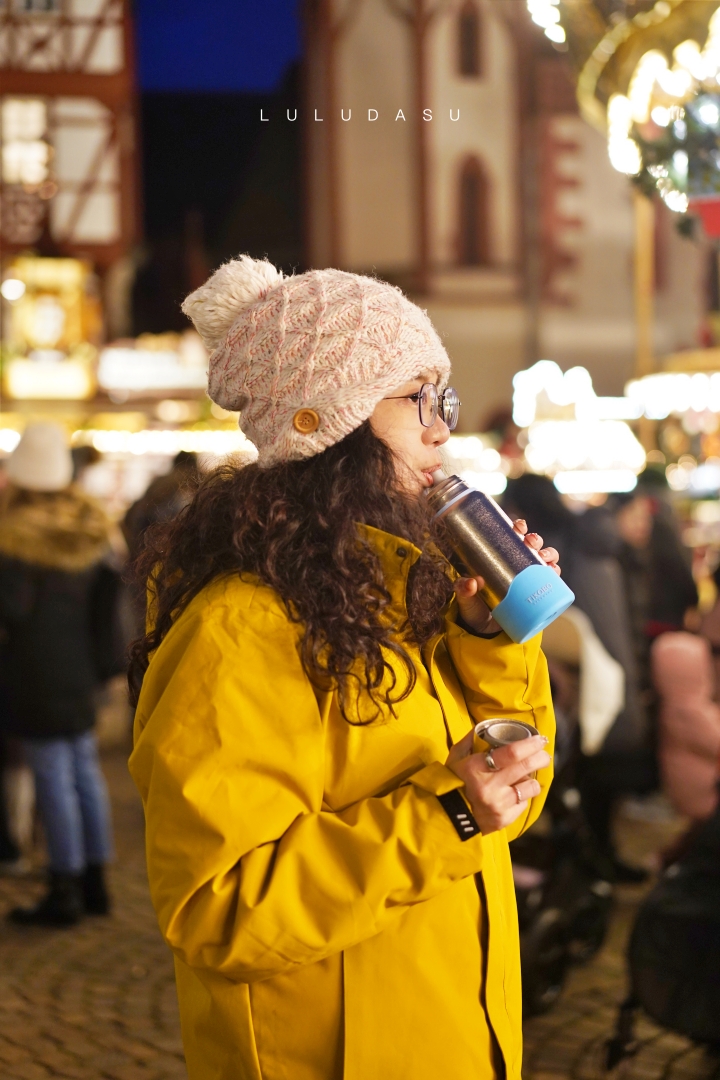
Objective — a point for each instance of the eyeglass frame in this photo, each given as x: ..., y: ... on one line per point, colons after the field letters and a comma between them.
x: 437, y: 408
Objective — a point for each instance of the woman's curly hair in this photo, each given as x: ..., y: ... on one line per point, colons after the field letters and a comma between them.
x: 295, y: 527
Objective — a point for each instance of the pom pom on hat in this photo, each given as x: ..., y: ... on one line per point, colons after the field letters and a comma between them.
x: 305, y: 359
x: 41, y: 461
x: 216, y: 305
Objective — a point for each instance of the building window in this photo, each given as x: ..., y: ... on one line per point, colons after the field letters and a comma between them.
x: 469, y: 31
x: 474, y: 217
x: 36, y: 7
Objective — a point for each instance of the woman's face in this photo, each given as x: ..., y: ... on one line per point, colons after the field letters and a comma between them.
x: 635, y: 522
x: 396, y: 420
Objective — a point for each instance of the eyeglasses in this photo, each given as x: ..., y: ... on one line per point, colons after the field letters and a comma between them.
x: 431, y: 403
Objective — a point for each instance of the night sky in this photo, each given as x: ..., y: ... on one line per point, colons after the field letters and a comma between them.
x: 215, y: 45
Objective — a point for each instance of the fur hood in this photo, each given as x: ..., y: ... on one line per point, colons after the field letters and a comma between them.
x: 63, y: 530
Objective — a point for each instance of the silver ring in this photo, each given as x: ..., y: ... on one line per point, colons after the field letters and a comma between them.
x: 516, y: 789
x: 491, y: 762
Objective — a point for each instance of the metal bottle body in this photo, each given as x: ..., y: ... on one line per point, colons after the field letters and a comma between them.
x: 482, y: 536
x: 524, y: 594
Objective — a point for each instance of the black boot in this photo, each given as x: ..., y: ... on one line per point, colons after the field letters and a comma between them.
x: 97, y: 900
x: 62, y: 905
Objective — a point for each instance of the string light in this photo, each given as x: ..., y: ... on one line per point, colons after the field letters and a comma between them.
x: 540, y: 390
x: 578, y: 438
x: 12, y: 289
x: 166, y: 442
x: 9, y: 438
x: 623, y: 151
x: 476, y: 463
x: 566, y: 445
x: 658, y: 91
x: 670, y: 393
x: 651, y: 67
x: 545, y: 13
x: 595, y: 481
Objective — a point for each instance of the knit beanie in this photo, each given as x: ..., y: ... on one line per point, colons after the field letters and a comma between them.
x: 305, y: 359
x: 41, y: 461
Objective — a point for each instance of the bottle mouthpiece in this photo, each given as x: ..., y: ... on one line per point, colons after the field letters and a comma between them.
x: 438, y: 476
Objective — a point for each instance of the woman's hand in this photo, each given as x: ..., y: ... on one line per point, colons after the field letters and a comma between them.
x: 499, y: 796
x: 473, y: 609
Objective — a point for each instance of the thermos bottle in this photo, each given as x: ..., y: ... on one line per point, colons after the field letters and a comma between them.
x: 523, y: 593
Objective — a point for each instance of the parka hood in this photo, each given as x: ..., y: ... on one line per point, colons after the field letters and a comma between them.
x: 64, y: 530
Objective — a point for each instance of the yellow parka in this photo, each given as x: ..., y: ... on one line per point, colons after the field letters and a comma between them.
x: 326, y: 919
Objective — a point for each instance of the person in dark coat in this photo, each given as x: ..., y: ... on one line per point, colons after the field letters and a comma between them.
x: 656, y: 569
x: 590, y: 548
x: 53, y: 539
x: 163, y: 500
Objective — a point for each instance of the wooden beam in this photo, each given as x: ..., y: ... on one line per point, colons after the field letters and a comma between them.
x: 111, y: 90
x: 644, y: 283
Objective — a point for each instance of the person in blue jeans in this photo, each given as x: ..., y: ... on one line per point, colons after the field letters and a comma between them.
x: 53, y: 541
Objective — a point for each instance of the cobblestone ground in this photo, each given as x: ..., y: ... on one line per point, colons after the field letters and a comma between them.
x: 98, y: 1001
x: 569, y: 1042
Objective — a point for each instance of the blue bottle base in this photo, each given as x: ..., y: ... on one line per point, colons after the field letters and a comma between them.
x: 535, y: 598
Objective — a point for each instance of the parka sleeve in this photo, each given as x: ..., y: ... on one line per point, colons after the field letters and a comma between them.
x: 500, y: 678
x: 250, y: 874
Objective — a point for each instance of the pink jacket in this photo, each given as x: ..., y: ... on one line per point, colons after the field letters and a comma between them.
x: 689, y: 728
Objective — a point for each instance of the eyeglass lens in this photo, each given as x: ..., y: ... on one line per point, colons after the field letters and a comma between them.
x: 448, y: 405
x: 428, y: 404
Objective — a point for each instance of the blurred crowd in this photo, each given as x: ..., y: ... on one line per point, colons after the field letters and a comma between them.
x: 633, y: 582
x: 67, y: 617
x: 634, y: 669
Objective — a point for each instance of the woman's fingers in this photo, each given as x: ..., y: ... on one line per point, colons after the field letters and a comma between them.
x: 462, y: 749
x: 498, y: 796
x: 467, y: 587
x: 515, y: 773
x: 473, y: 609
x: 524, y: 791
x: 534, y: 541
x: 510, y: 774
x: 517, y: 751
x: 549, y: 555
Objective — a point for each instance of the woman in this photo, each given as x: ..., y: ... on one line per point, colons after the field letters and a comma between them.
x: 335, y: 887
x: 52, y: 543
x: 688, y: 723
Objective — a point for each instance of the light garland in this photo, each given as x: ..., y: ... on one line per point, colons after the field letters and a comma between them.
x: 542, y: 391
x: 574, y: 436
x: 49, y: 375
x: 670, y: 393
x: 166, y: 442
x: 595, y: 481
x: 561, y: 446
x: 478, y: 464
x: 137, y: 370
x: 546, y: 14
x: 687, y: 475
x: 9, y: 438
x: 162, y: 442
x: 667, y: 112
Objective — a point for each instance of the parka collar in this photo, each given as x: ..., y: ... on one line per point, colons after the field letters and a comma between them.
x: 396, y: 557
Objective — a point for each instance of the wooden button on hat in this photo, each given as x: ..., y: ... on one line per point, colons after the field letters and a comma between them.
x: 306, y: 421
